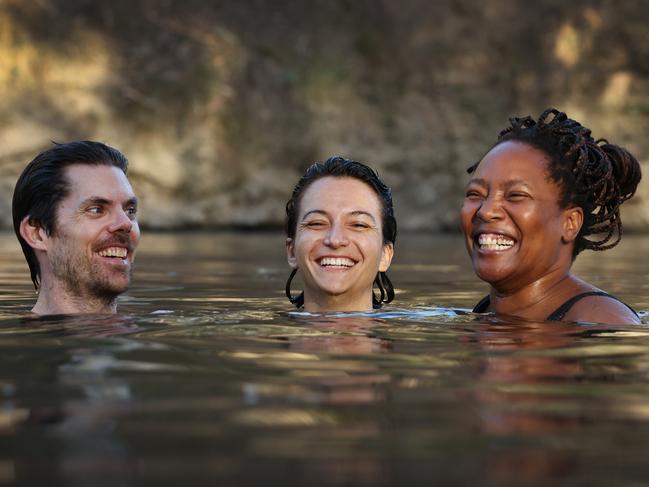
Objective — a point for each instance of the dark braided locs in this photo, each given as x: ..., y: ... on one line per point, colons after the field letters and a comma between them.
x: 592, y: 174
x: 340, y: 167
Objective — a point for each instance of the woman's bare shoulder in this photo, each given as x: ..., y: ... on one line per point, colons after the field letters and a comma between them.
x: 601, y: 309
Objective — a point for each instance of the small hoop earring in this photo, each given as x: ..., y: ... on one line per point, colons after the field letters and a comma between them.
x: 298, y: 301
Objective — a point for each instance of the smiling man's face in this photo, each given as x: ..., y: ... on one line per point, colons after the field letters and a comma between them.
x: 92, y: 246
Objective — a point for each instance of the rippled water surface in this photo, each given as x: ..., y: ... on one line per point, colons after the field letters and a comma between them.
x: 205, y: 378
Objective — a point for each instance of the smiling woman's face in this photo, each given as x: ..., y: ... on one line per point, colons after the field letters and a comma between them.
x: 514, y: 229
x: 338, y: 245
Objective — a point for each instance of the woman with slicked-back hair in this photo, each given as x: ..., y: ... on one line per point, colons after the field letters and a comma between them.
x: 340, y: 230
x: 546, y: 191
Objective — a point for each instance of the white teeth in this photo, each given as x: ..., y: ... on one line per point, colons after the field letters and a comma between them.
x: 495, y: 242
x: 114, y: 252
x: 336, y: 261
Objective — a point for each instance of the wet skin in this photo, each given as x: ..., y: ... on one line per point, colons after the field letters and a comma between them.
x: 520, y: 240
x: 87, y: 260
x: 338, y: 246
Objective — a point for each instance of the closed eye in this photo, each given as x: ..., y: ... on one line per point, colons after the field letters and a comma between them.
x: 472, y: 193
x: 314, y: 224
x: 360, y: 225
x: 517, y: 195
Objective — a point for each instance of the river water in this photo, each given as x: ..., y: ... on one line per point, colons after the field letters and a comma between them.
x: 205, y: 377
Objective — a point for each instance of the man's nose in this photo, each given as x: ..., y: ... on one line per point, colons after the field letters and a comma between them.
x: 337, y: 236
x: 121, y: 222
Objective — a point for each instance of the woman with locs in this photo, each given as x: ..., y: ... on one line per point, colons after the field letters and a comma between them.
x: 546, y: 191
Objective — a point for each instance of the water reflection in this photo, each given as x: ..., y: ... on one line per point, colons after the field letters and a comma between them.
x: 514, y: 400
x: 101, y: 325
x: 347, y: 335
x: 526, y: 393
x: 206, y: 371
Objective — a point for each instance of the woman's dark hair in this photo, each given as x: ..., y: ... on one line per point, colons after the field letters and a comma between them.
x: 593, y: 175
x: 340, y: 167
x: 42, y: 185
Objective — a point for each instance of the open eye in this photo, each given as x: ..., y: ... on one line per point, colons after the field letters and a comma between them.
x: 131, y: 211
x: 95, y: 210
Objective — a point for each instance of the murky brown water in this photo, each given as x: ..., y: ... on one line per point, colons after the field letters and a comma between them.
x: 204, y: 378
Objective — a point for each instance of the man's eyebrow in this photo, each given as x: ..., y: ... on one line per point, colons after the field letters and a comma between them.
x: 95, y: 200
x: 99, y: 200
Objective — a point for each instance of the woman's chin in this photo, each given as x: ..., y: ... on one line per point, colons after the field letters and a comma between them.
x: 327, y: 293
x: 490, y: 275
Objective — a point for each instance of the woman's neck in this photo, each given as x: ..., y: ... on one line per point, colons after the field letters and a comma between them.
x: 338, y: 303
x: 537, y: 299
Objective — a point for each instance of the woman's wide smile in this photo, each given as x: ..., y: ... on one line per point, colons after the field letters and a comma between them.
x: 338, y: 246
x: 336, y: 263
x: 493, y: 242
x: 511, y: 216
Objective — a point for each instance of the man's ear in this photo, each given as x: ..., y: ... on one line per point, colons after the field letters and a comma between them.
x: 34, y: 234
x: 573, y: 219
x: 386, y: 257
x: 290, y: 253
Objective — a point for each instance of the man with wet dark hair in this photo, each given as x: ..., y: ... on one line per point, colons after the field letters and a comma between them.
x: 75, y: 215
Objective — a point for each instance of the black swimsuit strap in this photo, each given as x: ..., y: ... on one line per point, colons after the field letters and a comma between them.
x: 559, y: 313
x: 482, y: 305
